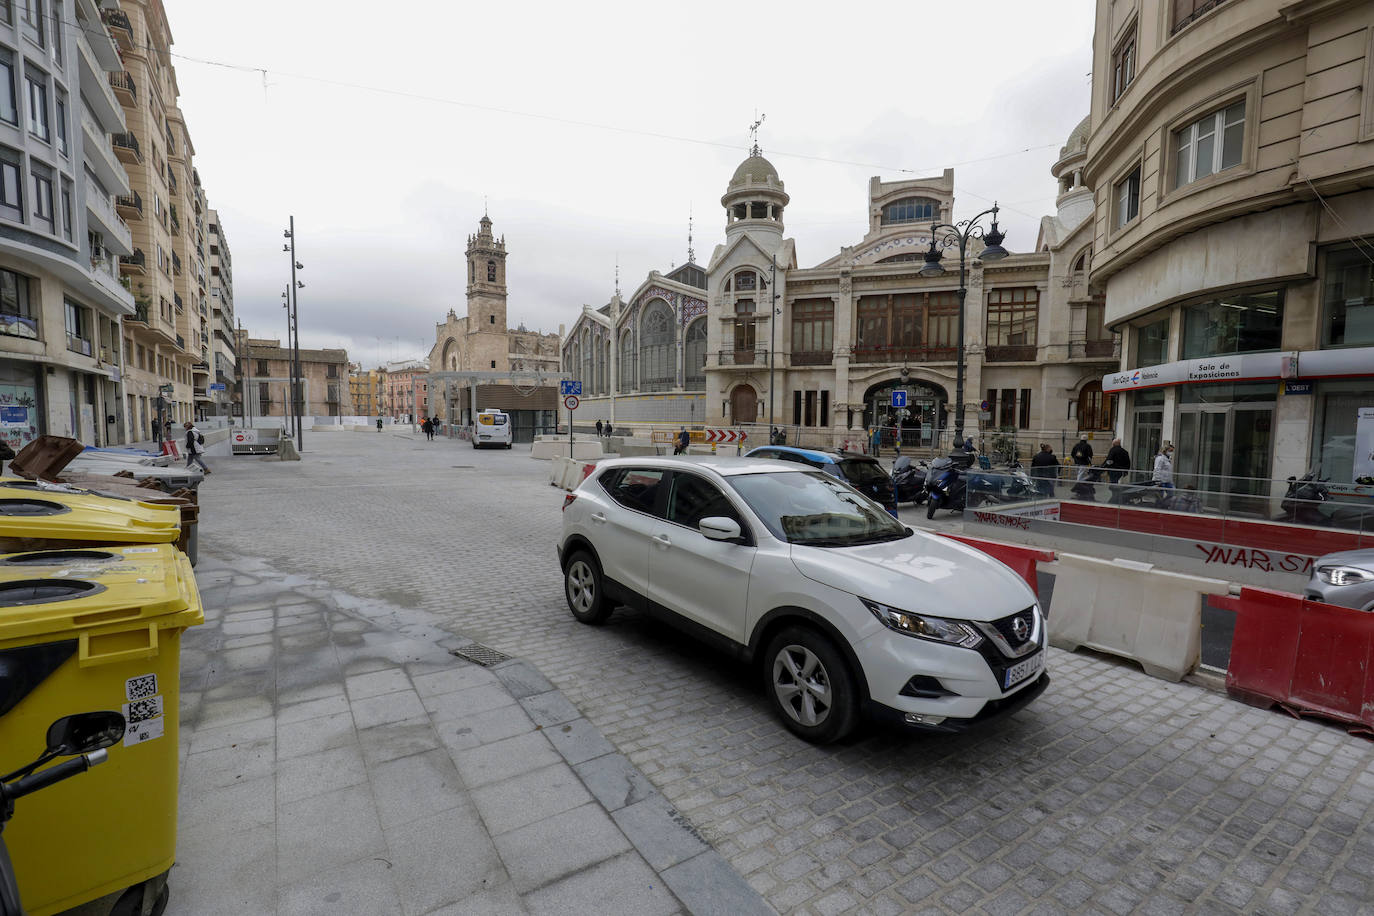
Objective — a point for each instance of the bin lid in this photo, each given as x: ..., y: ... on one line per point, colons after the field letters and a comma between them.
x: 60, y: 594
x: 59, y: 514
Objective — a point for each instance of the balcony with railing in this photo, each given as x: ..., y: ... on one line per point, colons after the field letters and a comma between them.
x: 1014, y: 353
x: 181, y: 342
x: 812, y: 357
x: 887, y: 354
x: 1106, y: 349
x: 126, y: 148
x: 118, y: 23
x: 107, y: 223
x: 739, y: 358
x: 176, y: 300
x: 124, y: 88
x: 129, y: 206
x: 176, y: 264
x: 134, y: 263
x: 100, y: 155
x: 140, y: 313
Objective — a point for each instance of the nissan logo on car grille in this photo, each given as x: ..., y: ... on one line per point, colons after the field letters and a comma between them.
x: 1020, y: 629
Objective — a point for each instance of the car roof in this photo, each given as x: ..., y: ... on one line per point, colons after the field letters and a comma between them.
x: 724, y: 466
x: 813, y: 454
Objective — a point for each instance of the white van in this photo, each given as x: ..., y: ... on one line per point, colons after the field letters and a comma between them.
x: 492, y: 428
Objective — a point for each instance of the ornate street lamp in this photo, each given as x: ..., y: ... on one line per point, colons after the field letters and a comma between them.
x: 959, y: 234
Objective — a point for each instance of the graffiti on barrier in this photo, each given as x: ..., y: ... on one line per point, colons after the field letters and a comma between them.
x: 1009, y: 521
x: 1254, y: 558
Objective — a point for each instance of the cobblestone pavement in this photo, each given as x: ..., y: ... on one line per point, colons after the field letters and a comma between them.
x: 1113, y: 793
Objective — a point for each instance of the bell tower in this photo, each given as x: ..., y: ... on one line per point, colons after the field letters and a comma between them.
x: 486, y: 256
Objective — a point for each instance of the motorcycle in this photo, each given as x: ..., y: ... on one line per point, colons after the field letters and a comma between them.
x: 1011, y: 486
x: 1151, y: 494
x: 82, y: 737
x: 1304, y: 503
x: 946, y: 484
x: 909, y: 480
x: 1086, y: 488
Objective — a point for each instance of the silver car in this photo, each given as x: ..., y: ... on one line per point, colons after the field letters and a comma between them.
x: 1345, y: 578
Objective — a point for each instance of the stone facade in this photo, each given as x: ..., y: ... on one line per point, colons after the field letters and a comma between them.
x: 481, y: 340
x: 268, y: 374
x: 404, y: 389
x: 1232, y: 161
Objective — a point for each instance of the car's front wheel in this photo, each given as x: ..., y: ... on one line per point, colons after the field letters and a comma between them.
x: 583, y: 590
x: 811, y: 686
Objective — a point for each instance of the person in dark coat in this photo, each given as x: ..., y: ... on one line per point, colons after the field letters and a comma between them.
x: 683, y: 440
x: 1045, y: 468
x: 1117, y: 462
x: 598, y: 429
x: 1082, y: 456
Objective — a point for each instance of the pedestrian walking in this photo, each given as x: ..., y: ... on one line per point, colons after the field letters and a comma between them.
x: 1082, y: 456
x: 1164, y: 466
x: 598, y: 429
x: 1045, y: 468
x: 195, y: 446
x: 426, y: 428
x: 1117, y: 462
x: 683, y: 440
x: 608, y: 429
x: 877, y: 438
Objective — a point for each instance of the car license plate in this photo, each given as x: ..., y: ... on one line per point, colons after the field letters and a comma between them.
x: 1023, y: 670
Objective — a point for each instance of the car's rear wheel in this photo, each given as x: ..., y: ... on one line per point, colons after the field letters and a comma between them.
x: 811, y: 686
x: 583, y: 590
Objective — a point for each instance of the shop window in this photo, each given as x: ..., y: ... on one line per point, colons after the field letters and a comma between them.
x: 1347, y: 298
x: 1238, y: 323
x: 1335, y: 436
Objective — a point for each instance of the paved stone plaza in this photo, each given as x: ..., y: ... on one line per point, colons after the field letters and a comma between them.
x: 1113, y: 793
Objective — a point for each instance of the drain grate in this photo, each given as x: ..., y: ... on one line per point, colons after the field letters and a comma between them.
x: 479, y: 654
x: 465, y: 466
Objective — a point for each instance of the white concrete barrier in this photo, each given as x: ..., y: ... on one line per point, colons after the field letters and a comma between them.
x: 1130, y: 609
x: 554, y: 448
x: 558, y: 467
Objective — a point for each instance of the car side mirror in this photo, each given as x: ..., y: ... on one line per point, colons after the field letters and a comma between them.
x: 84, y: 733
x: 719, y: 528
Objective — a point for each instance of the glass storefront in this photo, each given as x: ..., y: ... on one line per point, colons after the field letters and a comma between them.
x: 1225, y: 444
x: 1238, y: 323
x: 1147, y: 434
x: 1347, y: 298
x: 1337, y: 447
x: 20, y: 403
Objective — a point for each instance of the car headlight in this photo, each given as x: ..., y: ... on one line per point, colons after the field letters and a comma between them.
x: 924, y: 626
x: 1343, y: 575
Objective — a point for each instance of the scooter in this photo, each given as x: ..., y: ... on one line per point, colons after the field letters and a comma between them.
x: 1151, y: 494
x: 946, y: 486
x: 1305, y: 500
x: 1086, y: 489
x: 1011, y: 486
x: 909, y: 480
x: 82, y: 737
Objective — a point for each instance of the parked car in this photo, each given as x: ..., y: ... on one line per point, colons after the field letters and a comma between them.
x: 1345, y: 578
x: 844, y: 610
x: 863, y: 473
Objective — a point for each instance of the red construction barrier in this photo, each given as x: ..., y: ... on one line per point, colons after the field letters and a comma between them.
x: 1019, y: 557
x: 169, y: 447
x: 1278, y: 536
x: 1309, y: 658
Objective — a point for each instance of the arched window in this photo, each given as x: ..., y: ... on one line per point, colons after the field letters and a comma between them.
x: 1095, y: 409
x: 491, y: 271
x: 694, y: 355
x: 626, y: 366
x: 657, y: 371
x: 1083, y: 259
x: 910, y: 210
x: 745, y: 281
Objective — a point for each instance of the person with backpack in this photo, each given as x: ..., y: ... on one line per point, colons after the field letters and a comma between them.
x: 195, y: 446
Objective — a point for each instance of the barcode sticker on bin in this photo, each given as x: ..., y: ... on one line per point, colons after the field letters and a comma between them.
x: 136, y: 688
x: 138, y: 732
x: 142, y: 710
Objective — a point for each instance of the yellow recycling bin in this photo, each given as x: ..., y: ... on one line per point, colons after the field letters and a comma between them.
x: 83, y: 630
x: 40, y: 519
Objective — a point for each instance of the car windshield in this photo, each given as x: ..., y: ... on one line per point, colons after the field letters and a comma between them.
x: 862, y: 473
x: 809, y: 507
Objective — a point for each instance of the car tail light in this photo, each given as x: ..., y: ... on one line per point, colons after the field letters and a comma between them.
x: 568, y: 500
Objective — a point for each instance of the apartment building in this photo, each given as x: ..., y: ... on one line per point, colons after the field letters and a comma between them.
x: 405, y: 388
x: 266, y: 366
x: 1232, y: 163
x: 61, y: 299
x: 167, y: 339
x: 224, y: 394
x: 364, y: 389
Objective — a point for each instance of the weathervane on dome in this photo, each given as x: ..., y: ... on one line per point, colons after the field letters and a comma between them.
x: 754, y: 135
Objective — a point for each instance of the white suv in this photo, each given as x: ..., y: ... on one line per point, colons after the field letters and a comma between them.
x: 844, y: 609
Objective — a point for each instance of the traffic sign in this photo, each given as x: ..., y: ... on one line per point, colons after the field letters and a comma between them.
x: 570, y: 386
x: 726, y: 435
x: 571, y: 402
x: 217, y: 386
x: 899, y: 398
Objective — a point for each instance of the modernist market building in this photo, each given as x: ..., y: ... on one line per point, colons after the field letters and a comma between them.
x: 696, y: 345
x: 1232, y: 158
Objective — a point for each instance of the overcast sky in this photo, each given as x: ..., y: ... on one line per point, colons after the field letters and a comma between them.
x: 591, y: 130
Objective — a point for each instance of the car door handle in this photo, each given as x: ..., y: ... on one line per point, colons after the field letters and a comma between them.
x: 662, y: 541
x: 599, y: 518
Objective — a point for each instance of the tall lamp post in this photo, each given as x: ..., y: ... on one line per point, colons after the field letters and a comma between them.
x: 772, y: 339
x: 295, y: 345
x: 959, y: 234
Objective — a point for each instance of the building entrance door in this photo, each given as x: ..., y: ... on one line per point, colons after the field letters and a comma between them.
x: 1225, y: 452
